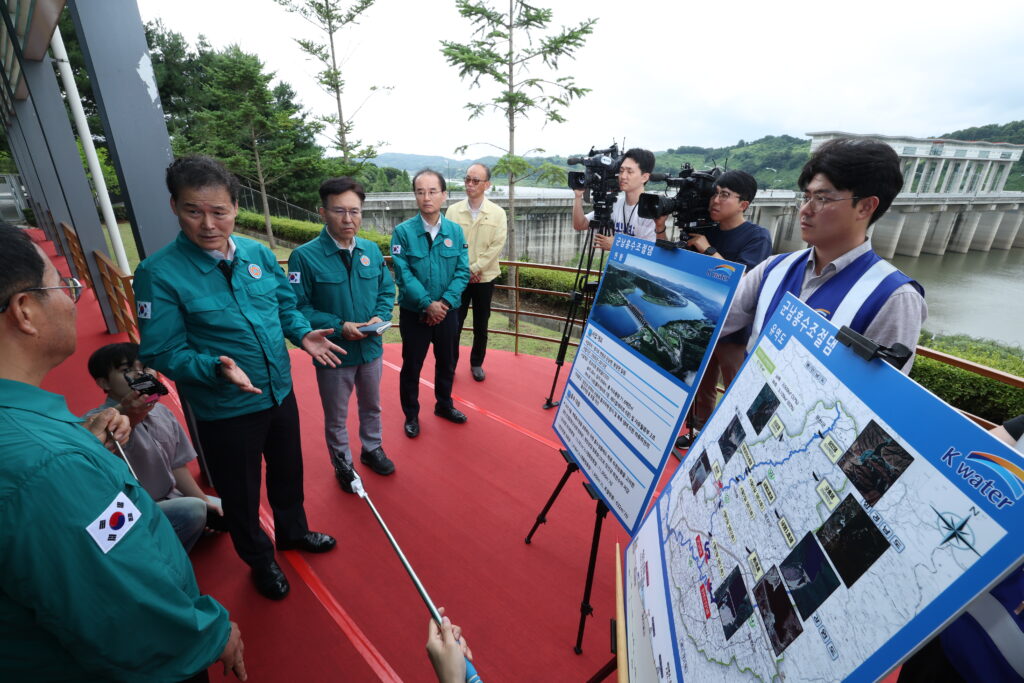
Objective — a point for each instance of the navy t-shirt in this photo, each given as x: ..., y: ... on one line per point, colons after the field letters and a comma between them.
x: 747, y: 243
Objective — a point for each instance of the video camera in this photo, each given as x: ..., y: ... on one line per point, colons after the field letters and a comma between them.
x: 600, y: 181
x: 689, y: 206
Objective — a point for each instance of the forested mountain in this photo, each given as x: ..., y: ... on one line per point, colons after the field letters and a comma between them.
x: 774, y: 160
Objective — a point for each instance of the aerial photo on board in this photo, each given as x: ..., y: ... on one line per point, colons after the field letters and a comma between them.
x: 670, y: 322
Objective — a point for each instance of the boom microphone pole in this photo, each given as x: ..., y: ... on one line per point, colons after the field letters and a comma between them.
x: 357, y: 487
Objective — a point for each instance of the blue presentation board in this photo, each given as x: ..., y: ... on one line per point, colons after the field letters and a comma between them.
x: 832, y: 516
x: 656, y: 316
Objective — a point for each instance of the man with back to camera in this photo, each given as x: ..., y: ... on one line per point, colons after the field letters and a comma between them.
x: 431, y: 263
x: 847, y: 185
x: 96, y: 586
x: 634, y: 172
x: 341, y: 281
x: 486, y: 229
x: 214, y: 310
x: 735, y: 239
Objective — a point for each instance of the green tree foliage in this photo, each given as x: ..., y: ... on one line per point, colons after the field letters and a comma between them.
x: 1012, y: 132
x: 509, y: 49
x: 256, y: 131
x: 330, y: 17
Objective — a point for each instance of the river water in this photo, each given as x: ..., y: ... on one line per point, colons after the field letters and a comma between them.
x: 978, y: 293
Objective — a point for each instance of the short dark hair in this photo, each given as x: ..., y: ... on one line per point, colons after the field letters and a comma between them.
x: 110, y: 357
x: 196, y: 171
x: 740, y: 182
x: 21, y: 266
x: 425, y: 171
x: 867, y: 168
x: 644, y: 158
x: 341, y: 186
x: 487, y: 169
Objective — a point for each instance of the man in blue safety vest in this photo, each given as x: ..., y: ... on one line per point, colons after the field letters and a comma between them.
x: 847, y: 185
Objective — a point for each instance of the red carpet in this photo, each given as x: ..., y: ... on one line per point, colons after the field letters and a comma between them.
x: 460, y: 504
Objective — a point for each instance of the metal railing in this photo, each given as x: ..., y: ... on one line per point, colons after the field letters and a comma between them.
x: 249, y: 199
x: 122, y: 299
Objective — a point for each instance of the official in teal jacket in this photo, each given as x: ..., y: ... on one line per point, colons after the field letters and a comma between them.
x: 431, y: 262
x: 214, y: 311
x: 341, y: 281
x: 96, y: 585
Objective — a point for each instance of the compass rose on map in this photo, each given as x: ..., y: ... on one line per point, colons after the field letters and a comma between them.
x: 955, y: 530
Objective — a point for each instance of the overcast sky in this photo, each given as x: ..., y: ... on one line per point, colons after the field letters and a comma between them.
x: 662, y: 73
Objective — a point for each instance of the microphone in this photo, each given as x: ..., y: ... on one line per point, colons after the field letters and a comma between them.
x: 574, y: 161
x: 658, y: 177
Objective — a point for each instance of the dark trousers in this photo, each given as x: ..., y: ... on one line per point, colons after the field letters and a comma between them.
x: 417, y: 337
x: 479, y: 294
x: 235, y: 450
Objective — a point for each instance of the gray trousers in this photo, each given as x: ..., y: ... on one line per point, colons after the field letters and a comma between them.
x: 336, y: 386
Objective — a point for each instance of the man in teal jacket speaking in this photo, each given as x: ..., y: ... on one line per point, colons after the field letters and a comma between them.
x: 96, y: 585
x: 214, y: 311
x: 431, y: 262
x: 341, y: 281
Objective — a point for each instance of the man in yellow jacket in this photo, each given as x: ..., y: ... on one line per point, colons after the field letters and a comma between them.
x: 486, y: 229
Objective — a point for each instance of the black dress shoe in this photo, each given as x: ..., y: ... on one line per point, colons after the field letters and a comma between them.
x: 412, y: 428
x: 451, y: 414
x: 312, y: 542
x: 345, y: 475
x: 478, y: 373
x: 270, y: 581
x: 378, y: 461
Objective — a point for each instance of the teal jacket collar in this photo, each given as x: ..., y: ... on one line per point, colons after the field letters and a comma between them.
x: 331, y: 247
x: 202, y: 260
x: 35, y: 400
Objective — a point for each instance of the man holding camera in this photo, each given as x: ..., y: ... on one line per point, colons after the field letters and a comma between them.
x: 634, y: 172
x: 431, y: 262
x: 735, y: 239
x: 847, y: 185
x: 158, y: 449
x: 486, y: 229
x: 341, y: 281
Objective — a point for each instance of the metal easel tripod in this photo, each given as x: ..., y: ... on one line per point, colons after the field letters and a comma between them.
x: 584, y: 288
x: 600, y: 512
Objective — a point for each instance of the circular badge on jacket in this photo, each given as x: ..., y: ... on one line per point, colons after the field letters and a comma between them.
x: 255, y: 271
x: 365, y: 260
x: 447, y: 242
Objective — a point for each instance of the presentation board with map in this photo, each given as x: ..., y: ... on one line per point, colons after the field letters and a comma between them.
x: 655, y: 319
x: 832, y: 516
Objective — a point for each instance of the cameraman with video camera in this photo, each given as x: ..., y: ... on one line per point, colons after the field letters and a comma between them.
x: 734, y: 239
x: 634, y: 172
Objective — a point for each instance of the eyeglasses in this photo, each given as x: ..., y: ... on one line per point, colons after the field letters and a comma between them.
x: 341, y: 213
x: 723, y: 195
x: 427, y: 193
x: 474, y: 181
x: 819, y: 200
x: 71, y: 284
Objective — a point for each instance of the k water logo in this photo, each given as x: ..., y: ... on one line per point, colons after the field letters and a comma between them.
x: 723, y: 272
x: 977, y: 467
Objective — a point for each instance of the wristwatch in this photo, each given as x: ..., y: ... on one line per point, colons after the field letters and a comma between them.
x: 710, y: 251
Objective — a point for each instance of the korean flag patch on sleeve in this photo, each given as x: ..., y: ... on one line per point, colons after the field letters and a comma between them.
x: 396, y: 248
x: 117, y: 520
x: 294, y: 277
x: 145, y: 309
